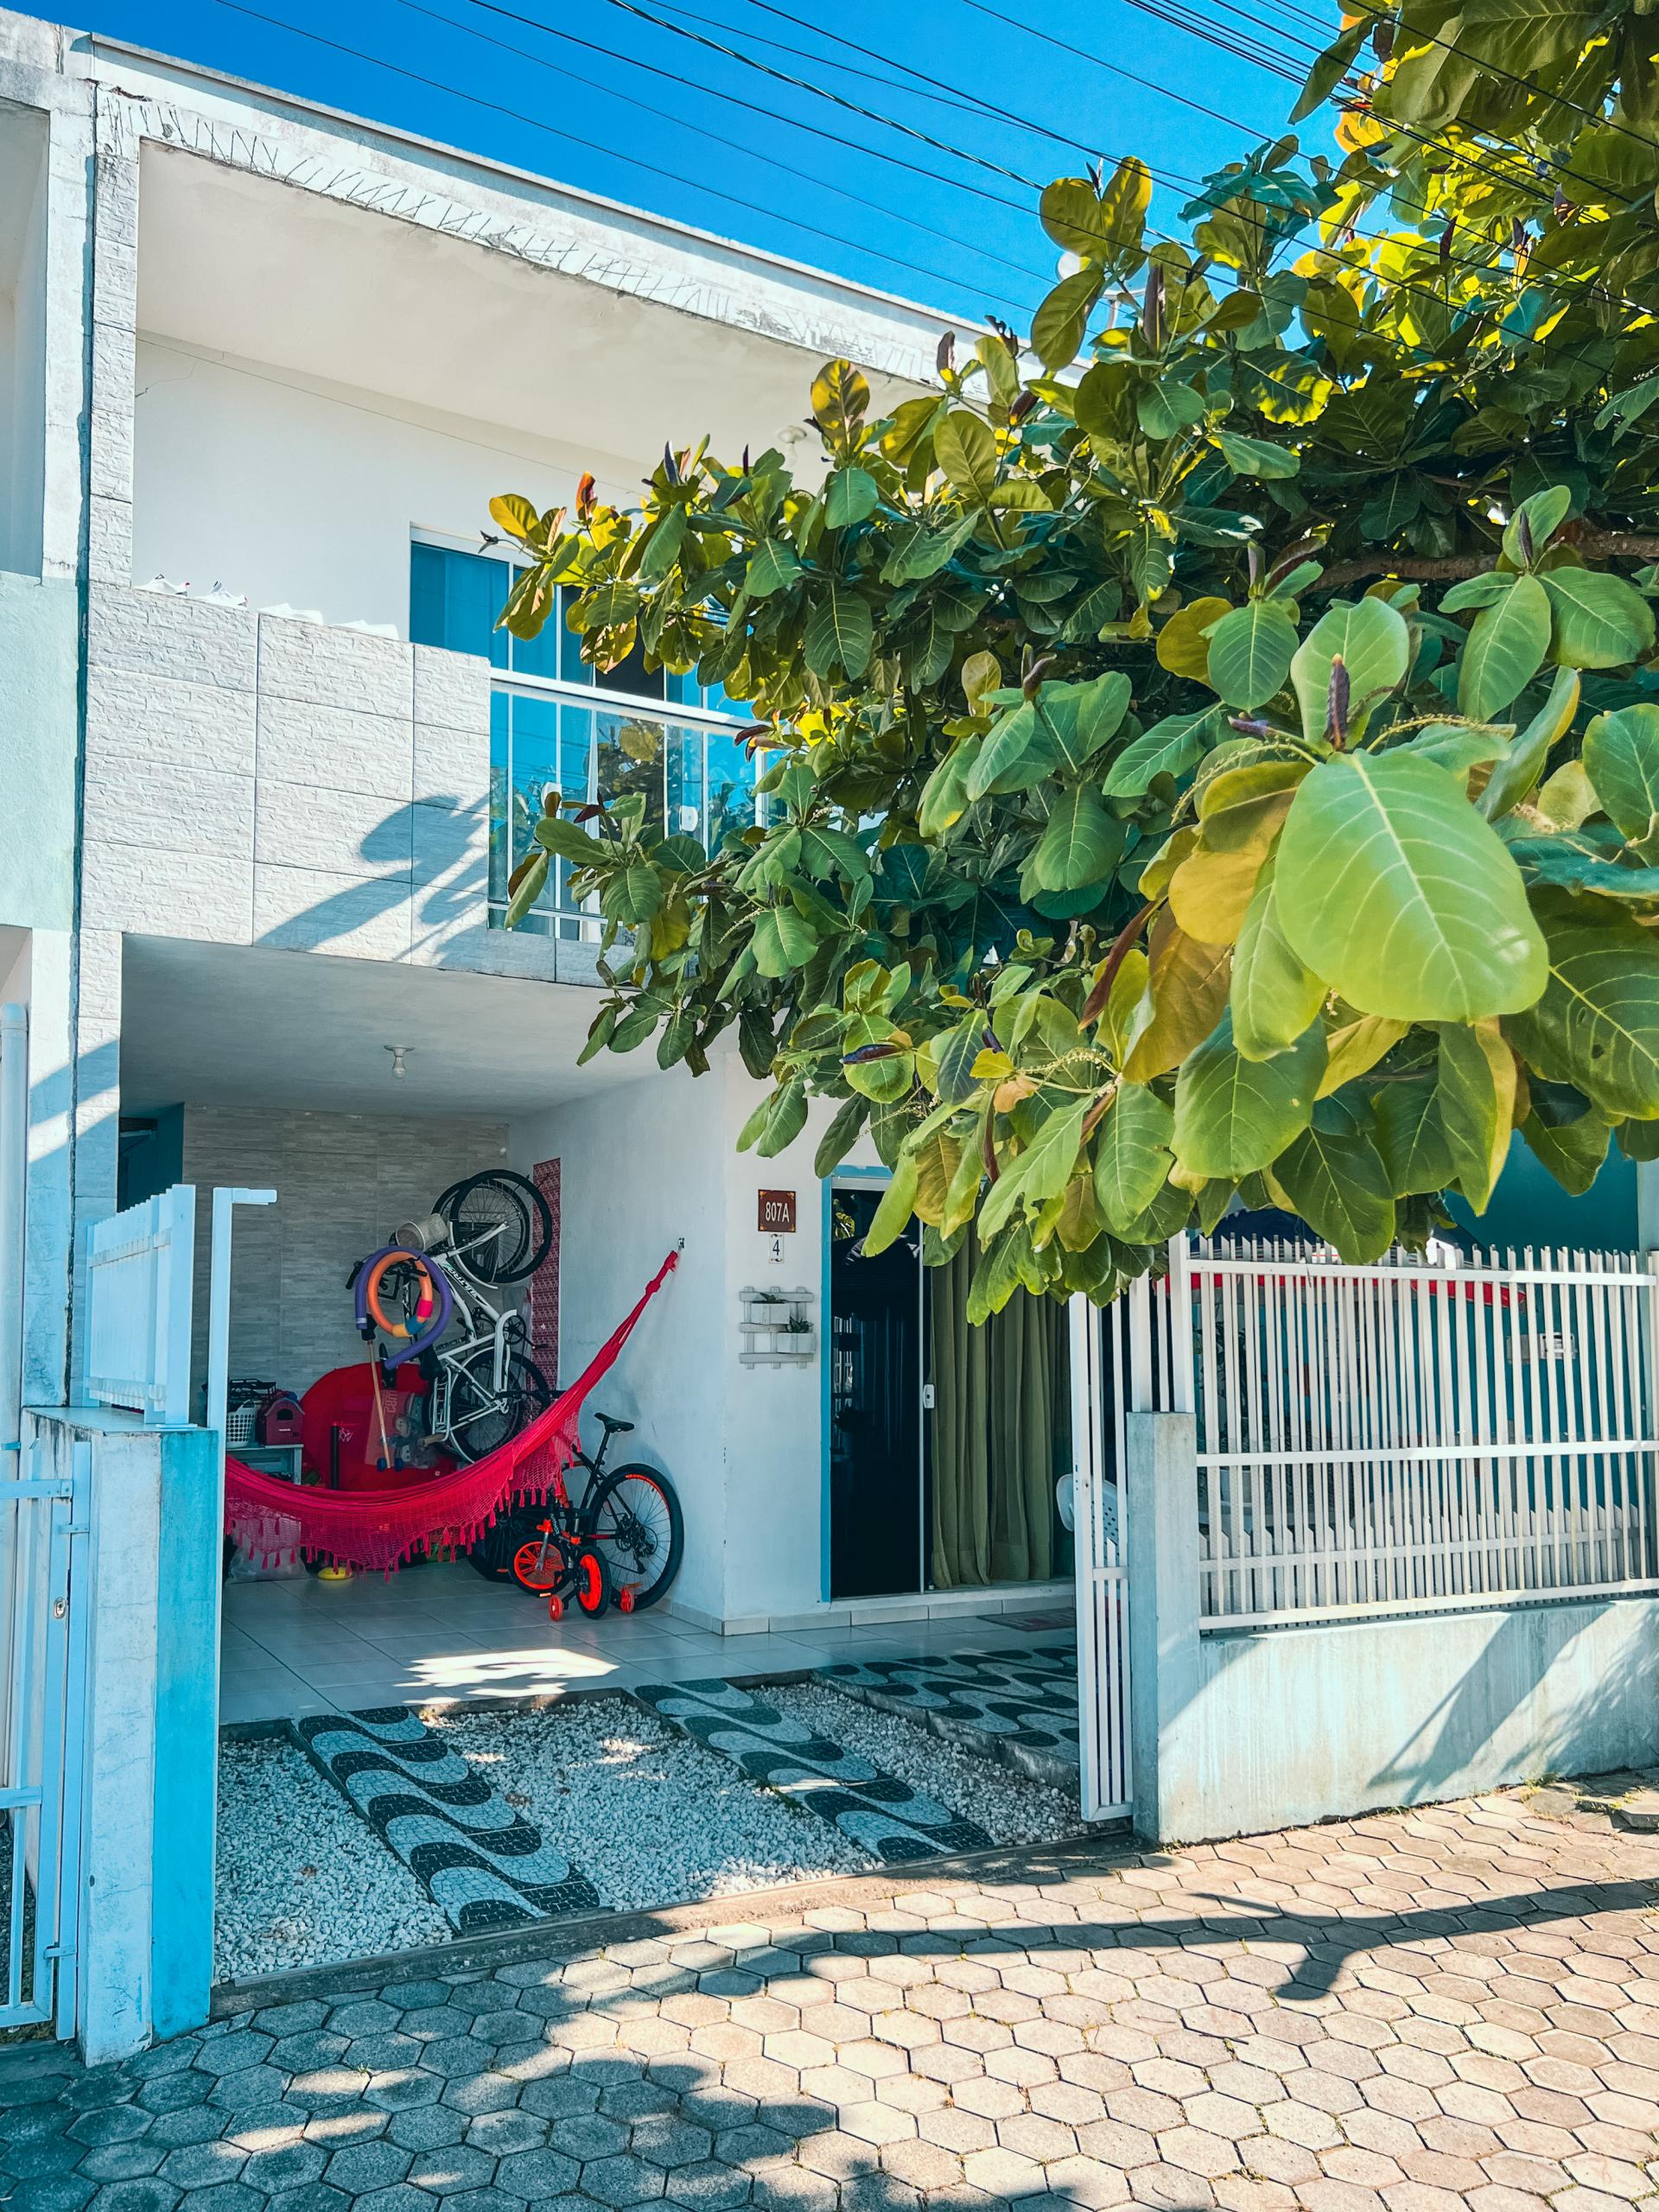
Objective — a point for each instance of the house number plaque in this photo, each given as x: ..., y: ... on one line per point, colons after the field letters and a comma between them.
x: 778, y: 1213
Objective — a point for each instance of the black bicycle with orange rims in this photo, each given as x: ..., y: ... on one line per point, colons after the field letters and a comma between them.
x: 620, y: 1543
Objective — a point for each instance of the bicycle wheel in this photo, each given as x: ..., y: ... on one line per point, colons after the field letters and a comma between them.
x: 500, y: 1225
x: 539, y: 1565
x: 635, y: 1517
x: 491, y: 1556
x: 594, y: 1588
x: 481, y: 1420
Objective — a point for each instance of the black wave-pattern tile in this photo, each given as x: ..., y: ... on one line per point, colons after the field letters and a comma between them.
x: 1018, y: 1706
x: 888, y: 1818
x: 483, y: 1864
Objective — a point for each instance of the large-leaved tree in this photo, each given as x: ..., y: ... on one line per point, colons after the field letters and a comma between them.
x: 1213, y: 749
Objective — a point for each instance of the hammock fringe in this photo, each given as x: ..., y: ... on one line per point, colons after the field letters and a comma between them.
x: 277, y: 1520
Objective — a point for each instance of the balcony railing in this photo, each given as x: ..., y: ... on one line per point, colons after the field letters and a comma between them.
x: 697, y: 779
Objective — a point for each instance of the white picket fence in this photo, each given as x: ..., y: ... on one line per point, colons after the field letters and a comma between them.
x: 1412, y: 1437
x: 140, y: 1274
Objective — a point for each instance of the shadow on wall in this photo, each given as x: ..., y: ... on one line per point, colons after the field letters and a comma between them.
x: 1583, y: 1706
x: 430, y: 857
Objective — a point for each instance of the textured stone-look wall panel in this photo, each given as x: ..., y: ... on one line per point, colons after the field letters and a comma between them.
x: 325, y: 667
x: 201, y: 893
x: 348, y: 832
x: 341, y: 748
x: 310, y: 910
x: 343, y: 1181
x: 130, y: 802
x: 158, y: 634
x: 160, y: 720
x: 452, y: 689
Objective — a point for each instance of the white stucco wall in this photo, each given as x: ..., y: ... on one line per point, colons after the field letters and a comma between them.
x: 301, y: 493
x: 640, y: 1168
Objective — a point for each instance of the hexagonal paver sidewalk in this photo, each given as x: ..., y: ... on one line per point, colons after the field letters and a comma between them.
x: 1454, y: 2009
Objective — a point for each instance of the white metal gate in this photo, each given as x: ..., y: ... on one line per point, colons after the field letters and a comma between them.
x: 1420, y: 1436
x: 1102, y: 1573
x: 43, y: 1529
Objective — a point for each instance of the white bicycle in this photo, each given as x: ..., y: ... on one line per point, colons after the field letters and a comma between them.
x: 426, y: 1292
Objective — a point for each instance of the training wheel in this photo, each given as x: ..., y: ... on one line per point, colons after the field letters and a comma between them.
x: 556, y: 1607
x: 624, y: 1599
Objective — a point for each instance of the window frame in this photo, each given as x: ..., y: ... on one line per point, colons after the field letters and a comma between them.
x: 583, y: 921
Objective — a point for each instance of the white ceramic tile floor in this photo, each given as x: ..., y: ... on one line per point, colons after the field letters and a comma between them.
x: 309, y: 1646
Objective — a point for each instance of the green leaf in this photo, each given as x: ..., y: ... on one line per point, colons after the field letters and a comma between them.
x: 851, y: 495
x: 1412, y: 1139
x: 1475, y: 1091
x: 841, y: 1136
x: 965, y: 449
x: 1621, y: 756
x: 1257, y: 457
x: 1250, y: 652
x: 839, y: 634
x: 898, y: 1204
x: 527, y: 889
x: 917, y: 551
x: 1374, y: 645
x: 1392, y: 887
x: 1573, y: 1151
x: 1272, y: 996
x: 1330, y: 69
x: 1040, y: 1172
x: 1168, y: 748
x: 1082, y: 844
x: 1132, y: 1157
x: 633, y: 897
x: 783, y: 941
x: 772, y: 567
x: 1566, y: 862
x: 1505, y: 649
x: 1336, y: 1180
x: 1234, y: 1116
x: 1057, y: 327
x: 1524, y: 758
x: 1167, y: 408
x: 1597, y: 1025
x: 1543, y: 514
x: 1601, y: 621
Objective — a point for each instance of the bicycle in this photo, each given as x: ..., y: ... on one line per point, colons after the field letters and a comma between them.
x: 483, y: 1233
x: 623, y: 1540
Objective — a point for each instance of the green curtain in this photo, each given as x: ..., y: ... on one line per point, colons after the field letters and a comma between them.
x: 1000, y: 1395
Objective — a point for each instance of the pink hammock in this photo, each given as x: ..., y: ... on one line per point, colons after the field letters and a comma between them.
x: 271, y: 1519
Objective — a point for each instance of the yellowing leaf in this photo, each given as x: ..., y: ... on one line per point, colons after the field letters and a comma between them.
x: 1209, y: 893
x: 1185, y: 995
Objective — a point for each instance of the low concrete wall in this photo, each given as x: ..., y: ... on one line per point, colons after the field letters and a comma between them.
x: 1269, y: 1728
x: 1294, y: 1724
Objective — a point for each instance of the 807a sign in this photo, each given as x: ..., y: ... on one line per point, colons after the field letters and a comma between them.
x: 778, y: 1213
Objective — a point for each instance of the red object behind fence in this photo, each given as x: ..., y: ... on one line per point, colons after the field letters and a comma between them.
x: 381, y: 1529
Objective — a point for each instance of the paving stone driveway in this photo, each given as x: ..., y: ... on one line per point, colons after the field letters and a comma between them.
x: 1449, y: 2008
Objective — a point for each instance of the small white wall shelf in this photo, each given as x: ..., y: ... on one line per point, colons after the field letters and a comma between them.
x: 777, y: 1328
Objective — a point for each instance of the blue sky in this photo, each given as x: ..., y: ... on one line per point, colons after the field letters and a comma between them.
x: 638, y: 111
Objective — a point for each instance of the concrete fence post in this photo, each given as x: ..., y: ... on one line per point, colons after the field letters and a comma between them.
x: 1163, y: 1563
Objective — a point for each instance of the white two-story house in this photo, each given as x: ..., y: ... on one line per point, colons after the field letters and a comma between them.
x: 265, y: 366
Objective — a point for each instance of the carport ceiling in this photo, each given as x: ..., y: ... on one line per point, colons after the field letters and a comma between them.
x: 213, y: 1025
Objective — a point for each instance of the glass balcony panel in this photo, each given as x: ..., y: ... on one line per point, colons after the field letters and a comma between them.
x: 731, y: 788
x: 501, y: 785
x: 684, y: 783
x: 630, y: 759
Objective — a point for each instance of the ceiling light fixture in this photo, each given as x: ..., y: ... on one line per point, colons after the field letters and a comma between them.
x: 399, y: 1056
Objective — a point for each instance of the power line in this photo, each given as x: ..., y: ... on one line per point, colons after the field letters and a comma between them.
x: 732, y: 145
x: 536, y: 123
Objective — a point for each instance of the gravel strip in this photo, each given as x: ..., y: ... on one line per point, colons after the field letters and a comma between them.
x: 302, y: 1881
x: 1010, y: 1806
x: 649, y: 1817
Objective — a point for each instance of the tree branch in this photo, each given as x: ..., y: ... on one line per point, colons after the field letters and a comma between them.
x: 1594, y: 544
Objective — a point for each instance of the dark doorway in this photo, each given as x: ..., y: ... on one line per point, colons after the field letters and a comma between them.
x: 875, y: 1406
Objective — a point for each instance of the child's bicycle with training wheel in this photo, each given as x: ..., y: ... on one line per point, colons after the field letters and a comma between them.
x: 621, y: 1543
